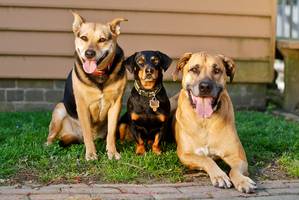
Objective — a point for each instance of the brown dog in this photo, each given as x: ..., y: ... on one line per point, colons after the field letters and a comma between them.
x: 93, y: 90
x: 204, y: 123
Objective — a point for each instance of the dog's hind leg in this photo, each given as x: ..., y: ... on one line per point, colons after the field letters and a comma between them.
x: 156, y: 145
x: 123, y: 128
x: 68, y: 139
x: 70, y: 132
x: 55, y: 126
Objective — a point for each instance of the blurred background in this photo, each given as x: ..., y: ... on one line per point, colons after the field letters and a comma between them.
x: 37, y: 44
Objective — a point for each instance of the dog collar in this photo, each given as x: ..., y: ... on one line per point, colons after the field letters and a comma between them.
x: 145, y: 93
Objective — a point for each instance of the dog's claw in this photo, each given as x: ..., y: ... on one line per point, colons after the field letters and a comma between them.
x: 48, y: 143
x: 91, y: 156
x: 245, y: 185
x: 115, y: 155
x: 221, y: 180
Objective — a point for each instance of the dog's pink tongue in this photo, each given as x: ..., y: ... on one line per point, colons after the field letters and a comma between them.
x: 204, y: 106
x: 89, y: 66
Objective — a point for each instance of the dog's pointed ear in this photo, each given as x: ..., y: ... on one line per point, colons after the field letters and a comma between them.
x: 78, y: 21
x: 115, y: 25
x: 129, y: 63
x: 165, y: 60
x: 230, y: 66
x: 180, y: 64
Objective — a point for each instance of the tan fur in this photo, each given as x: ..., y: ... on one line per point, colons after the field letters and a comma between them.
x: 140, y: 148
x: 147, y: 84
x: 134, y: 116
x: 122, y: 132
x: 98, y: 110
x: 155, y: 147
x: 199, y: 140
x: 162, y: 117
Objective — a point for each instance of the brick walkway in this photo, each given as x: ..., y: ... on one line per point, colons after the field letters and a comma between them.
x: 268, y: 190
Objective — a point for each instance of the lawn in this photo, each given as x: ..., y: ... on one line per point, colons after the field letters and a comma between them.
x: 271, y: 144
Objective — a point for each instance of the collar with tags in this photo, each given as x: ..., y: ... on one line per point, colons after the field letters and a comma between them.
x: 153, y: 102
x: 147, y: 93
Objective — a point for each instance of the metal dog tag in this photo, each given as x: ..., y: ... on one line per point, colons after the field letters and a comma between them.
x: 154, y: 103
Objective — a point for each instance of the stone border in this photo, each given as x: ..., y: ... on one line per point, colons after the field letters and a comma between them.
x: 270, y: 190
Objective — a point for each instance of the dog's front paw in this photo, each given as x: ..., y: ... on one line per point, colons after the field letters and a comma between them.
x: 112, y: 155
x: 91, y: 156
x: 50, y: 140
x: 221, y: 180
x: 156, y: 150
x: 140, y: 149
x: 244, y: 184
x: 48, y: 143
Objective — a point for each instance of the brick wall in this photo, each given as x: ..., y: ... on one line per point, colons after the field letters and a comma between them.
x: 37, y: 95
x: 24, y: 95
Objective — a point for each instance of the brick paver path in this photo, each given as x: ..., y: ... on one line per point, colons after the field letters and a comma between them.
x: 268, y: 190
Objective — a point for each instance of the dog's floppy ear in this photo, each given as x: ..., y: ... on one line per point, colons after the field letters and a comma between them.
x: 115, y: 25
x: 78, y: 21
x: 181, y: 63
x: 129, y: 63
x: 165, y: 60
x: 230, y: 66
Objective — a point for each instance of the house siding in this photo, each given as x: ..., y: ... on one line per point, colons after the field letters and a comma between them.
x: 37, y: 42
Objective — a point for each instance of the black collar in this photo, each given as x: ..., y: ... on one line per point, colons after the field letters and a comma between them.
x: 147, y: 93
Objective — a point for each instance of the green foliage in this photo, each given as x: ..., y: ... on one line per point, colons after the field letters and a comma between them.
x: 266, y: 138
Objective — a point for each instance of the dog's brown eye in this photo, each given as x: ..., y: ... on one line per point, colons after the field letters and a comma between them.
x: 155, y: 60
x: 84, y: 38
x: 102, y: 39
x: 140, y: 62
x: 195, y: 70
x: 216, y: 70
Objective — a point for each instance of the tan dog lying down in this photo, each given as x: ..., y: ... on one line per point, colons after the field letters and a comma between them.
x: 204, y: 124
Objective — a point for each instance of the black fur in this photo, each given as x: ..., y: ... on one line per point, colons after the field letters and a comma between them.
x: 148, y: 125
x: 69, y: 99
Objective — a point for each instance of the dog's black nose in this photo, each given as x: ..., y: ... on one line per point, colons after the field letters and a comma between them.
x: 204, y: 87
x: 149, y: 70
x: 89, y: 53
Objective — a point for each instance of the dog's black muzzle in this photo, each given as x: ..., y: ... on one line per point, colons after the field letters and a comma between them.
x: 206, y: 88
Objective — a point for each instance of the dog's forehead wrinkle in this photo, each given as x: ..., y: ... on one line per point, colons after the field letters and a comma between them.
x: 93, y: 28
x: 196, y: 60
x: 102, y: 31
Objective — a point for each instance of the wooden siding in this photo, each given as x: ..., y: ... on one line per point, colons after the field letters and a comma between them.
x: 37, y: 42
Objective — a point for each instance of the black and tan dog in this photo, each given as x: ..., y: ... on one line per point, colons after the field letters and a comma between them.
x: 94, y: 89
x: 204, y: 123
x: 148, y: 106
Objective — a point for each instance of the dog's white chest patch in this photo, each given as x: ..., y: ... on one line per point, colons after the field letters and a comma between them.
x: 202, y: 151
x: 206, y: 151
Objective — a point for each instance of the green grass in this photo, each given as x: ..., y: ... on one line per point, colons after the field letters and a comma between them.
x: 23, y: 156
